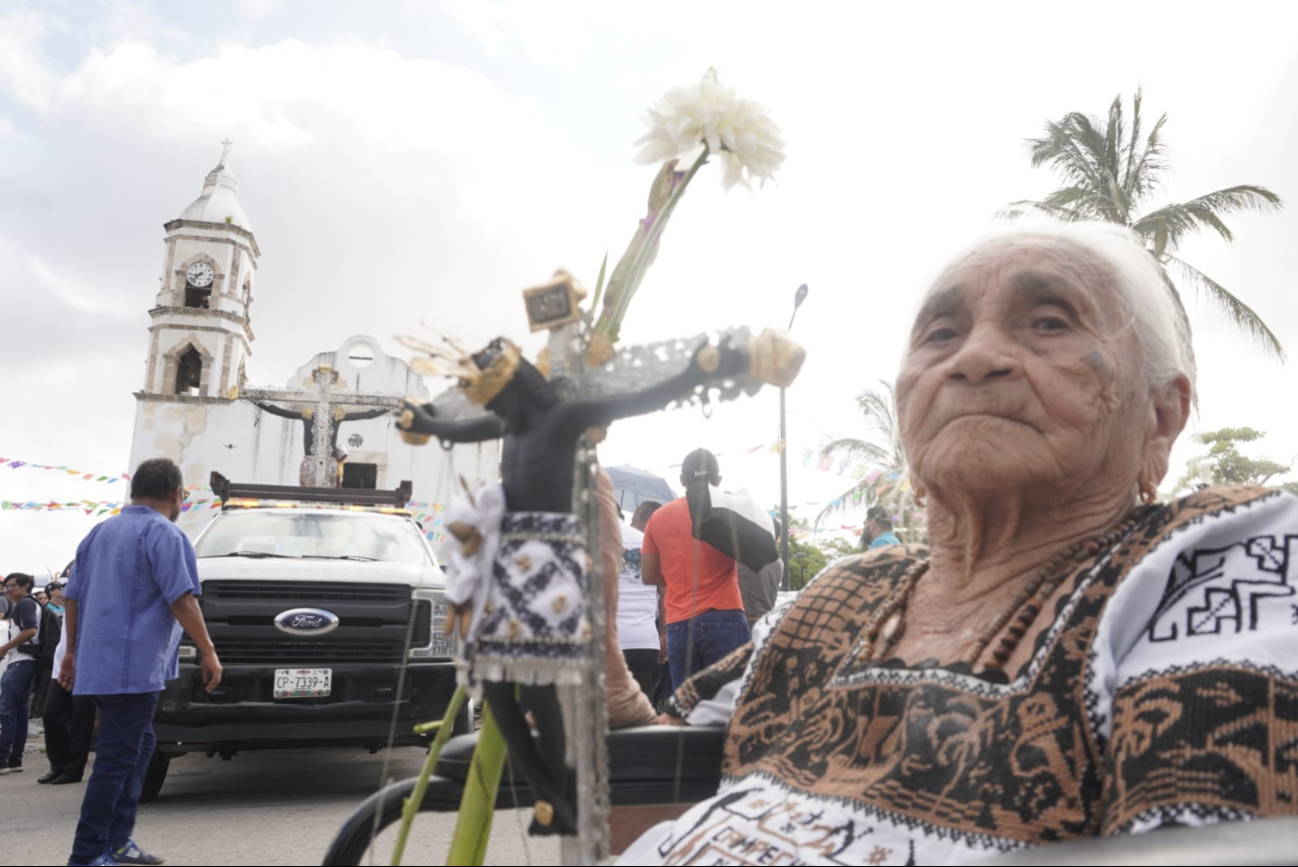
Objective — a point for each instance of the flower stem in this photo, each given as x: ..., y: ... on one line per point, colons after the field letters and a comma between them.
x: 638, y: 266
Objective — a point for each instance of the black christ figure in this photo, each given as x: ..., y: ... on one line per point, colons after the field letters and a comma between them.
x: 541, y: 433
x: 308, y: 423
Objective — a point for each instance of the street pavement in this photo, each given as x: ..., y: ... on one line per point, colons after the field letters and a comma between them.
x: 277, y: 807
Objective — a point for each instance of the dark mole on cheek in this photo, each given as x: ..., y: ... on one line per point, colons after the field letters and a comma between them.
x: 1097, y: 362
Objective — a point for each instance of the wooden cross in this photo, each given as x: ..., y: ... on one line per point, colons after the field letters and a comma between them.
x: 320, y: 404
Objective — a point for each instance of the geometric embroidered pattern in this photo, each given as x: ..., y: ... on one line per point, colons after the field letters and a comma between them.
x: 952, y: 755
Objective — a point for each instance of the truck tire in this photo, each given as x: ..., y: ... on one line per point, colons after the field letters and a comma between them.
x: 154, y: 776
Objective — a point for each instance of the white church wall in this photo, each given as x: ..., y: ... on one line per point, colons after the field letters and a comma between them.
x: 432, y: 471
x: 206, y: 432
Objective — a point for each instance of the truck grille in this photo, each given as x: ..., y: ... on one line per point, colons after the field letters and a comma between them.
x: 376, y: 623
x: 314, y: 592
x: 243, y: 651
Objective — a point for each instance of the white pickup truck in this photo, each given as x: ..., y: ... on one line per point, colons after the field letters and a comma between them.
x: 326, y: 609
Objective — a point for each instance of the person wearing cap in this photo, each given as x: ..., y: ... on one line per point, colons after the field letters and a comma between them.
x: 878, y: 529
x: 704, y: 610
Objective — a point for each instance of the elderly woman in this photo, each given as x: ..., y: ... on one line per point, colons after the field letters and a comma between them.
x: 1068, y: 658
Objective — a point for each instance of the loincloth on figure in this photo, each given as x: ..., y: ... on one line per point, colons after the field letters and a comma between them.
x: 533, y: 628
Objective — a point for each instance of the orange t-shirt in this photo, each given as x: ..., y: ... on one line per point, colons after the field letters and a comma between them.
x: 698, y: 576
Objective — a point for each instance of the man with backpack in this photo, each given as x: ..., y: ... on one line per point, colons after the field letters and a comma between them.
x: 20, y: 676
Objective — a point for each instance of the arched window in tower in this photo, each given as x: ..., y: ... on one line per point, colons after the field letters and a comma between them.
x: 198, y: 285
x: 189, y: 372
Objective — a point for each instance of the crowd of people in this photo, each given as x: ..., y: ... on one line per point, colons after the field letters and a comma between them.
x: 32, y: 694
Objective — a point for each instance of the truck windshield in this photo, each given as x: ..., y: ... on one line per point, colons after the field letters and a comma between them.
x: 343, y: 536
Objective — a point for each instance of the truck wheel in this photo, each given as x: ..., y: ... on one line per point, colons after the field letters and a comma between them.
x: 464, y: 720
x: 154, y: 776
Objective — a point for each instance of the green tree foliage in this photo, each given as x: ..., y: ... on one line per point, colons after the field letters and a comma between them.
x: 1223, y: 464
x: 808, y: 558
x: 805, y: 562
x: 1111, y: 169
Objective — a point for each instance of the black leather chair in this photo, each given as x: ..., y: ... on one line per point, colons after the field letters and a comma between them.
x: 650, y: 765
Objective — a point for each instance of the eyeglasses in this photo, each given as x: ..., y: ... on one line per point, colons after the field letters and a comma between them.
x: 184, y: 496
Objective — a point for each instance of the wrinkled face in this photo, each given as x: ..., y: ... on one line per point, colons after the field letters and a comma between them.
x: 1022, y: 374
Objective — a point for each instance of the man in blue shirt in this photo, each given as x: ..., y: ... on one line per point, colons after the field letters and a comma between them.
x: 20, y: 676
x: 878, y: 528
x: 133, y: 589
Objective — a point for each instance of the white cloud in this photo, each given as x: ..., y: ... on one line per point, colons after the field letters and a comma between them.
x: 70, y: 291
x: 558, y: 36
x: 258, y: 8
x: 266, y: 95
x: 22, y: 68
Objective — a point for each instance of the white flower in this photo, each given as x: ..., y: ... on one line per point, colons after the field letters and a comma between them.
x: 737, y: 130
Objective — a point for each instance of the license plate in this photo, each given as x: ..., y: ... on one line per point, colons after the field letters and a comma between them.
x: 303, y: 682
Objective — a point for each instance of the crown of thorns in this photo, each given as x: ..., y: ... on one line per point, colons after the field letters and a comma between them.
x: 451, y: 358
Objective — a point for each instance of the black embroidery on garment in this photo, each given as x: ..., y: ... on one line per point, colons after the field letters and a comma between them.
x: 1215, y: 591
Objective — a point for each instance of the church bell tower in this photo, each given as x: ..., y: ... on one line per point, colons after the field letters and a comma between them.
x: 200, y: 336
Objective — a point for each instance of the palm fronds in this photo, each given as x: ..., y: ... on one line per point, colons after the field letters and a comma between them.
x: 882, y: 447
x: 1171, y: 223
x: 1243, y: 316
x: 1108, y: 171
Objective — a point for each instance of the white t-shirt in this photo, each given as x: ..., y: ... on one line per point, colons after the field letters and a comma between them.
x: 6, y: 633
x: 62, y: 649
x: 637, y: 602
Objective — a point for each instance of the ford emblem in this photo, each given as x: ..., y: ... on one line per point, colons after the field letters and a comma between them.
x: 306, y: 621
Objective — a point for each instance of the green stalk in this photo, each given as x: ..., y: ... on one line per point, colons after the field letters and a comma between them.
x: 599, y: 287
x: 651, y: 240
x: 478, y: 806
x: 411, y: 806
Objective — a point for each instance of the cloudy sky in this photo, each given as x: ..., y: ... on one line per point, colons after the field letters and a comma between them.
x: 431, y: 159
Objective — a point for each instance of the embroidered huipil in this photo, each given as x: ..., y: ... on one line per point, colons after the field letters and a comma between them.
x: 1164, y: 691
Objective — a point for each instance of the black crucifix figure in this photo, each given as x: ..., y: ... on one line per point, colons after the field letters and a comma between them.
x: 320, y: 419
x: 307, y: 417
x: 540, y: 545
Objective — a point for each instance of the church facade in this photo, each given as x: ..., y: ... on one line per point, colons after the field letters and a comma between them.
x: 200, y: 343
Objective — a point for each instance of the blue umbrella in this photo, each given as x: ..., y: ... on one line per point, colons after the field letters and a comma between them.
x: 633, y: 486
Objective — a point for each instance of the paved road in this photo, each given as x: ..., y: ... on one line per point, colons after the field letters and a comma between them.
x: 258, y: 808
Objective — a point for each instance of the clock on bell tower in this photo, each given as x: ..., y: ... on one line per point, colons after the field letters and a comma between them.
x: 200, y: 336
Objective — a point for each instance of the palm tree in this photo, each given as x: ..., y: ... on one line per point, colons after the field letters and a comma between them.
x: 1110, y: 173
x: 882, y: 447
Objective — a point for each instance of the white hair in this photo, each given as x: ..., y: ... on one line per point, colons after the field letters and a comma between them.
x: 1152, y: 309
